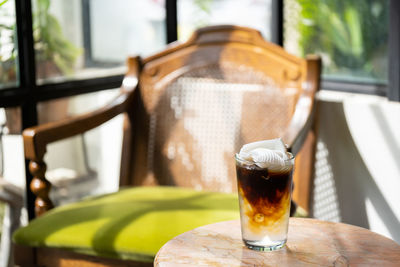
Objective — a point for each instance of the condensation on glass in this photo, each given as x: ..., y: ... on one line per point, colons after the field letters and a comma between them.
x: 194, y: 14
x: 8, y: 47
x: 351, y: 36
x: 74, y: 40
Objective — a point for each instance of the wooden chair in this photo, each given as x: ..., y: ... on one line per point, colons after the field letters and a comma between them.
x: 187, y: 111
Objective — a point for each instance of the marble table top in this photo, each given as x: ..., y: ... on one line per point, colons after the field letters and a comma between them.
x: 310, y: 243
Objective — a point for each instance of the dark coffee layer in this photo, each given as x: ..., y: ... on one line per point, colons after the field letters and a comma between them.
x: 260, y: 185
x: 268, y: 193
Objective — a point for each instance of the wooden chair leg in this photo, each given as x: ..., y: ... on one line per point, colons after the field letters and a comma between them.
x: 24, y: 256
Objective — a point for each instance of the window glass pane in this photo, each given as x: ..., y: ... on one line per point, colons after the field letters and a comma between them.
x: 193, y: 14
x: 90, y: 163
x: 125, y: 27
x: 350, y: 36
x: 8, y: 47
x: 61, y: 108
x: 12, y: 120
x: 12, y: 165
x: 79, y: 39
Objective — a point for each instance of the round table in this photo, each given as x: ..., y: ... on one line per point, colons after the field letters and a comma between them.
x: 310, y: 243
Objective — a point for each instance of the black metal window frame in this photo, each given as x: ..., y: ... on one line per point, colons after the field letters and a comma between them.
x: 28, y: 92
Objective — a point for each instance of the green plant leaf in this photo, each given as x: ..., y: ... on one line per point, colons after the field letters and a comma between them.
x: 50, y: 42
x: 355, y: 31
x: 335, y: 28
x: 204, y: 5
x: 44, y: 5
x: 2, y: 3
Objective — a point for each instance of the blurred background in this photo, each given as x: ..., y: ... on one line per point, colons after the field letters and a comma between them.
x: 64, y: 57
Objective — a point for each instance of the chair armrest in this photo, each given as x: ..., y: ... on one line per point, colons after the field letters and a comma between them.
x: 303, y: 118
x: 36, y: 138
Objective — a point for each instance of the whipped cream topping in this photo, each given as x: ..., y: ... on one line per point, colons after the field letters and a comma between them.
x: 269, y: 154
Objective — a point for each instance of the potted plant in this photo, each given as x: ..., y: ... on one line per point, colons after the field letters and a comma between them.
x: 8, y: 74
x: 54, y: 55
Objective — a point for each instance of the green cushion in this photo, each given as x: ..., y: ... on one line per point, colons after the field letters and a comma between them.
x: 130, y: 224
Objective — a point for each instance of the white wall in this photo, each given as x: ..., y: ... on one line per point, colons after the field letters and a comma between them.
x: 357, y: 168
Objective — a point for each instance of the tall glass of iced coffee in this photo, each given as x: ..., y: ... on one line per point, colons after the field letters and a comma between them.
x: 264, y: 174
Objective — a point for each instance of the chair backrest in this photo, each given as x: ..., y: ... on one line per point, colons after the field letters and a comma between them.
x: 200, y: 101
x: 191, y: 107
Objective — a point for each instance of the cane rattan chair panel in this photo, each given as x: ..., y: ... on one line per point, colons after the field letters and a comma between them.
x: 205, y: 115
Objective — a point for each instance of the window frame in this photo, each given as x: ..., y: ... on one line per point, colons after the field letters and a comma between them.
x: 27, y: 94
x: 393, y: 91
